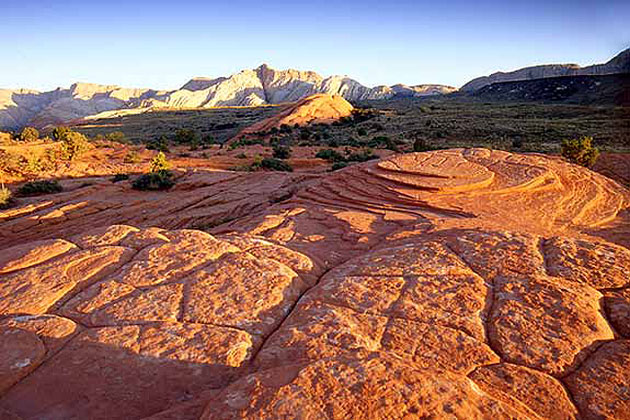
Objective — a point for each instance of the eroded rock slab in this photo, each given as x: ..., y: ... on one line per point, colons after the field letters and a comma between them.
x: 600, y: 386
x: 130, y: 372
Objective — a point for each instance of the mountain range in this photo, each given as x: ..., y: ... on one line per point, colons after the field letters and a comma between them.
x: 259, y: 86
x: 617, y: 65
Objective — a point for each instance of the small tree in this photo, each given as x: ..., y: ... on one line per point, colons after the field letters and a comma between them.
x: 186, y: 136
x: 580, y: 151
x: 58, y: 133
x: 28, y: 134
x: 159, y: 163
x: 73, y: 144
x: 280, y: 152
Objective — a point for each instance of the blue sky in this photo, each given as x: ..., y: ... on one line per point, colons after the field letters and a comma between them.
x: 162, y: 44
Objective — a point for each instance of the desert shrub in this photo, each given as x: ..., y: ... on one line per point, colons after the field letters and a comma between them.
x: 207, y: 140
x: 383, y: 142
x: 28, y: 134
x: 186, y: 136
x: 73, y: 144
x: 275, y: 165
x: 517, y: 143
x: 32, y: 163
x: 330, y: 155
x: 154, y: 181
x: 120, y: 177
x: 338, y: 165
x: 284, y: 128
x: 159, y: 144
x: 117, y: 136
x: 421, y: 145
x: 159, y: 163
x: 58, y: 132
x: 39, y: 188
x: 362, y: 156
x: 132, y: 157
x: 9, y: 162
x: 361, y: 131
x: 580, y: 151
x: 246, y: 142
x: 6, y: 198
x: 280, y: 152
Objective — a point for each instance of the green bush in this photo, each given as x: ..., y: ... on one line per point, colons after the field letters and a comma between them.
x: 280, y: 152
x: 39, y: 188
x: 132, y: 157
x: 6, y: 198
x: 362, y: 156
x: 73, y: 144
x: 330, y: 155
x: 58, y: 132
x: 28, y: 134
x: 117, y: 136
x: 154, y: 181
x: 186, y: 136
x: 275, y: 165
x: 161, y: 144
x: 338, y: 165
x: 580, y: 151
x: 421, y: 145
x: 159, y: 163
x: 120, y: 177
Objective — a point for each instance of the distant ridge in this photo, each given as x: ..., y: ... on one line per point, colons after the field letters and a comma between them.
x: 259, y: 86
x: 617, y: 65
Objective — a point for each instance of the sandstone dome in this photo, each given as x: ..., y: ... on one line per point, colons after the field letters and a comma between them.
x: 464, y: 283
x: 319, y: 108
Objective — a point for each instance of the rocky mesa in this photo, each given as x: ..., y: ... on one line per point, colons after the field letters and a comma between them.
x: 462, y: 283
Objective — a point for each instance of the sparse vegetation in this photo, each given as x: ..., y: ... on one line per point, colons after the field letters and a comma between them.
x: 120, y: 177
x: 330, y: 155
x: 28, y: 134
x: 160, y: 178
x: 39, y: 188
x: 273, y: 164
x: 280, y: 152
x: 580, y: 151
x: 159, y: 163
x: 73, y: 144
x: 117, y: 136
x: 58, y: 132
x: 132, y: 157
x: 6, y: 197
x: 160, y: 144
x: 154, y: 181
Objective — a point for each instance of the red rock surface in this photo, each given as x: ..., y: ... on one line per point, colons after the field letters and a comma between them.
x: 462, y: 284
x: 320, y: 108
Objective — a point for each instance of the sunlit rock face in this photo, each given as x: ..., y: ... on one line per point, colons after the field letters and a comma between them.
x: 259, y: 86
x: 466, y: 283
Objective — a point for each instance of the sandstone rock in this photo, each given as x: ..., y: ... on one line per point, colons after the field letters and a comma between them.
x: 522, y: 387
x: 600, y: 386
x: 130, y: 372
x: 320, y: 108
x: 617, y: 304
x: 372, y: 389
x: 361, y: 296
x: 600, y: 265
x: 35, y: 290
x: 26, y: 255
